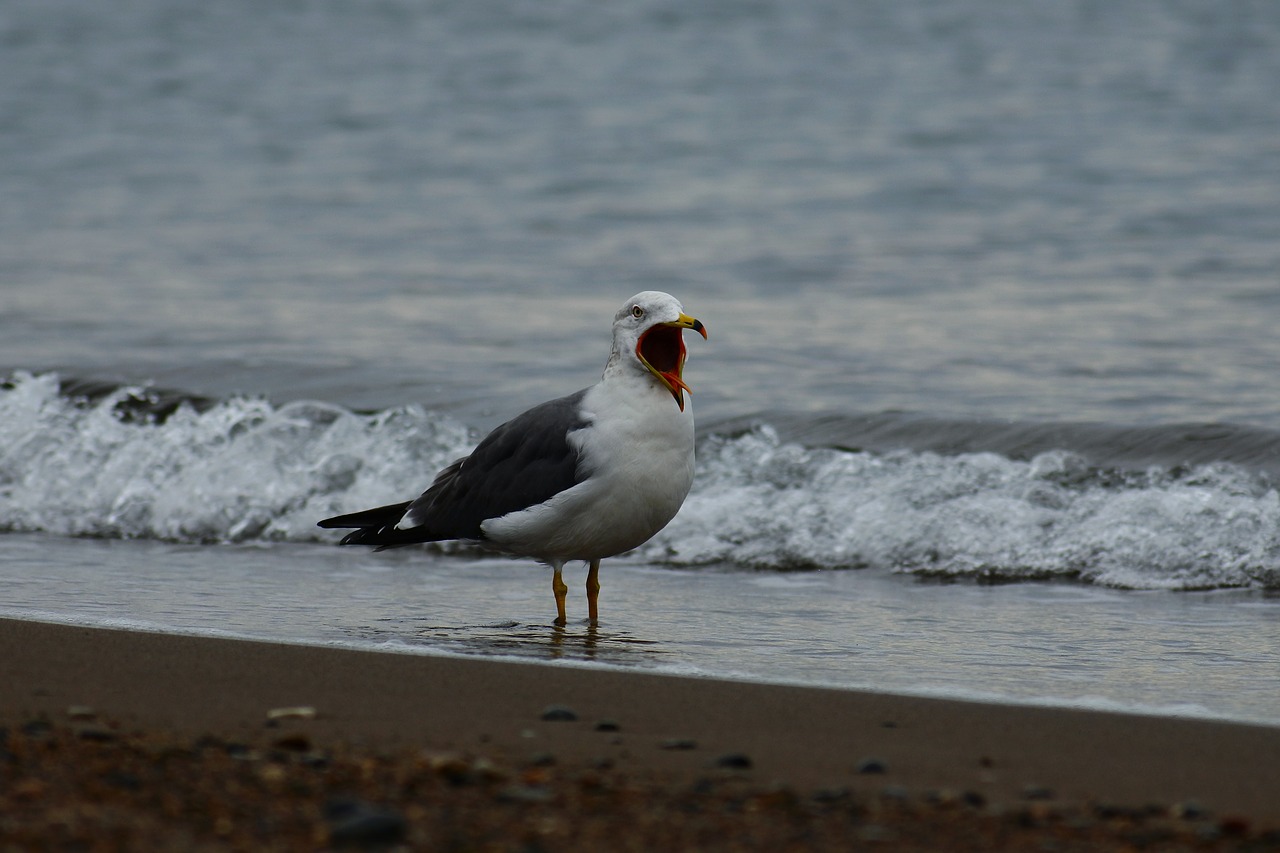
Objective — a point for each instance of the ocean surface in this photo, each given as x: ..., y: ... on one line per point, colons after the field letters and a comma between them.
x: 989, y: 407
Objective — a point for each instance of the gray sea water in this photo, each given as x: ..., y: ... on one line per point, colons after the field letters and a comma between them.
x: 988, y: 407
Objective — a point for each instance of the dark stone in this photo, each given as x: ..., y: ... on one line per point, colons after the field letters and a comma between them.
x: 98, y: 734
x: 608, y: 726
x: 240, y: 751
x: 542, y: 759
x: 37, y: 728
x: 735, y: 761
x: 895, y: 794
x: 872, y: 765
x: 293, y: 742
x: 680, y: 743
x: 316, y: 758
x: 559, y: 714
x: 358, y: 824
x: 210, y: 742
x: 525, y: 794
x: 1189, y: 810
x: 1234, y: 825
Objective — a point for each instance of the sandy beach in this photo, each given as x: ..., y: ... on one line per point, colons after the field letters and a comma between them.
x: 124, y: 740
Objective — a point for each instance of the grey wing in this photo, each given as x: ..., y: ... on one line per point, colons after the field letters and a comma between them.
x: 522, y: 463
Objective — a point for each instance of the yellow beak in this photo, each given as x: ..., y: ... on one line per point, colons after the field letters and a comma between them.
x: 661, y: 349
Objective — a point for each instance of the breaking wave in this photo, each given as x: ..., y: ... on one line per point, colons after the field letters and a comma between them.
x: 763, y: 503
x: 134, y: 462
x: 235, y: 470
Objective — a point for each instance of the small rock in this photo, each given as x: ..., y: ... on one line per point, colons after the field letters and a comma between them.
x: 1190, y: 810
x: 81, y: 712
x: 37, y: 728
x: 735, y: 761
x: 1235, y: 825
x: 895, y: 794
x: 98, y: 734
x: 680, y: 743
x: 830, y: 795
x: 296, y: 712
x: 608, y: 726
x: 944, y: 797
x: 209, y: 742
x: 317, y: 758
x: 356, y: 823
x: 451, y: 767
x: 542, y: 759
x: 292, y: 742
x: 486, y: 771
x: 871, y: 766
x: 559, y: 714
x: 1037, y: 792
x: 272, y: 774
x: 524, y: 794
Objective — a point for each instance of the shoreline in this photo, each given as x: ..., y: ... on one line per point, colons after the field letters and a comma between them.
x: 965, y: 764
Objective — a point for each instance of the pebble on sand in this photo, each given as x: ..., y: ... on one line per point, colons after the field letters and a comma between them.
x: 357, y: 823
x: 295, y: 712
x: 680, y: 743
x: 559, y: 714
x: 735, y: 761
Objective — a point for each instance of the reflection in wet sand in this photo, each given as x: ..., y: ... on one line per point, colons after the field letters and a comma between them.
x: 531, y: 641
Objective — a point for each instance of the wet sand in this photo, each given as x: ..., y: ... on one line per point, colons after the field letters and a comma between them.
x: 128, y: 740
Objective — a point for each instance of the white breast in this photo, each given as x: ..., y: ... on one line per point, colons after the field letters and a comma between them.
x: 638, y: 453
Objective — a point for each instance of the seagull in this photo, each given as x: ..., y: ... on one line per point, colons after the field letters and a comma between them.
x: 582, y: 477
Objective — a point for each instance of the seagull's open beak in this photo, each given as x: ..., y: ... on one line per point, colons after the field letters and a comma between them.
x: 661, y: 349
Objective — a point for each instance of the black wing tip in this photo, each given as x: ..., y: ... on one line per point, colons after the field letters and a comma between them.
x: 375, y: 527
x: 379, y: 536
x: 382, y: 538
x: 374, y: 519
x: 357, y: 537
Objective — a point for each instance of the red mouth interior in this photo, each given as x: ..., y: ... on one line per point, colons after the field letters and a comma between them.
x: 663, y: 348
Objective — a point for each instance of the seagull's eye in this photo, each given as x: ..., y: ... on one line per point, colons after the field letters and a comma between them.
x: 637, y: 311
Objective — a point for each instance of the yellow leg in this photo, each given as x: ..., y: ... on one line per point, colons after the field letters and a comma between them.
x: 560, y: 590
x: 593, y: 591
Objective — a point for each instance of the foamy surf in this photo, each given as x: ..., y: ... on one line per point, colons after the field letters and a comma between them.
x: 246, y: 470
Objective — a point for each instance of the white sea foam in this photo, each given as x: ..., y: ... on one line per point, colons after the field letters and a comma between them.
x: 241, y: 470
x: 246, y: 470
x: 765, y: 504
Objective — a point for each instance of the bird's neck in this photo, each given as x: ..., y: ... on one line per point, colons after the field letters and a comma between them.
x: 621, y: 367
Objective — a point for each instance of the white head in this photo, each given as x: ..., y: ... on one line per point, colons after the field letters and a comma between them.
x: 647, y: 336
